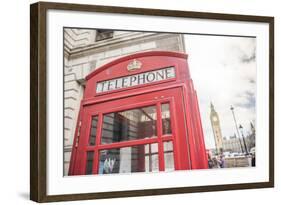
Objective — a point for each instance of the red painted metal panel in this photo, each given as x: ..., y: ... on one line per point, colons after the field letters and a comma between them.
x: 203, y: 158
x: 98, y: 140
x: 159, y: 135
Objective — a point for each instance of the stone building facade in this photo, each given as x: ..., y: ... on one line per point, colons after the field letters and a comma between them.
x: 86, y: 50
x: 233, y: 144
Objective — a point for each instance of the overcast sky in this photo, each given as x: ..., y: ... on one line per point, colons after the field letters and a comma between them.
x: 223, y: 70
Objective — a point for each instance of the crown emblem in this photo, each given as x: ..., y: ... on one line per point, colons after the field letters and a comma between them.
x: 134, y: 65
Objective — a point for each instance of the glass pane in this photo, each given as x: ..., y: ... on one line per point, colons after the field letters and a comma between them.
x: 169, y: 156
x: 90, y: 160
x: 92, y: 139
x: 141, y: 158
x: 127, y: 125
x: 166, y: 122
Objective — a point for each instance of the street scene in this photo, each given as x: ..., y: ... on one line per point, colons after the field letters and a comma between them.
x: 235, y: 151
x: 226, y: 87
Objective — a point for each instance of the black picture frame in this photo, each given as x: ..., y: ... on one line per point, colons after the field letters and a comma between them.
x: 38, y: 100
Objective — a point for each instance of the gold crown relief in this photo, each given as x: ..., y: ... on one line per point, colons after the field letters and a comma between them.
x: 134, y: 65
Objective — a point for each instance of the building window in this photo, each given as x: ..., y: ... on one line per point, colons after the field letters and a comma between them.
x: 103, y: 34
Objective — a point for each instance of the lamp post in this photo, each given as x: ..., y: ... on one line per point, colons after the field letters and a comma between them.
x: 238, y: 134
x: 245, y: 145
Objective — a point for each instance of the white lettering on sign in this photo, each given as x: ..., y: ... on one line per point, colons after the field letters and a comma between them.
x: 138, y: 79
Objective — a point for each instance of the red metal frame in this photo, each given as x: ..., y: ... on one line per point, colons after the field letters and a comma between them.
x: 187, y: 133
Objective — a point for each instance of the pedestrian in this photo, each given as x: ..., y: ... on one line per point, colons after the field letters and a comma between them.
x: 222, y: 161
x: 210, y: 161
x: 253, y: 160
x: 216, y: 163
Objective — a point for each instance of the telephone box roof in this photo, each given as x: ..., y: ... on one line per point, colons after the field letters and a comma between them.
x: 137, y: 55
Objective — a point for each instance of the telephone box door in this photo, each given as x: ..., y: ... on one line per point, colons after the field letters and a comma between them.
x: 142, y: 133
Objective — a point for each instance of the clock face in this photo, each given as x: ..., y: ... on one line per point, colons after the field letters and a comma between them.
x: 215, y: 119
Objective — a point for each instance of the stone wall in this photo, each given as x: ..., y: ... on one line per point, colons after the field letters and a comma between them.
x: 237, y: 162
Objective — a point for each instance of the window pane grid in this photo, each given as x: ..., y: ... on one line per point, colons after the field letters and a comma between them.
x: 113, y: 156
x: 128, y: 160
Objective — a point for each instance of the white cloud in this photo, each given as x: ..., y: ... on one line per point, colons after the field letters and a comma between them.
x: 224, y: 72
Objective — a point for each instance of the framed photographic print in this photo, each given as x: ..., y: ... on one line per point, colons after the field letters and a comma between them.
x: 135, y: 102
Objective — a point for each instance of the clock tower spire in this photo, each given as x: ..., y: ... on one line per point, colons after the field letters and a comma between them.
x: 214, y: 117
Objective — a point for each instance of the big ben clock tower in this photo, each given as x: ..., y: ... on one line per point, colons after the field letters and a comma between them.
x: 216, y: 129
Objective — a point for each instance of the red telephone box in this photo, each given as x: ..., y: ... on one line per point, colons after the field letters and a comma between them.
x: 139, y: 113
